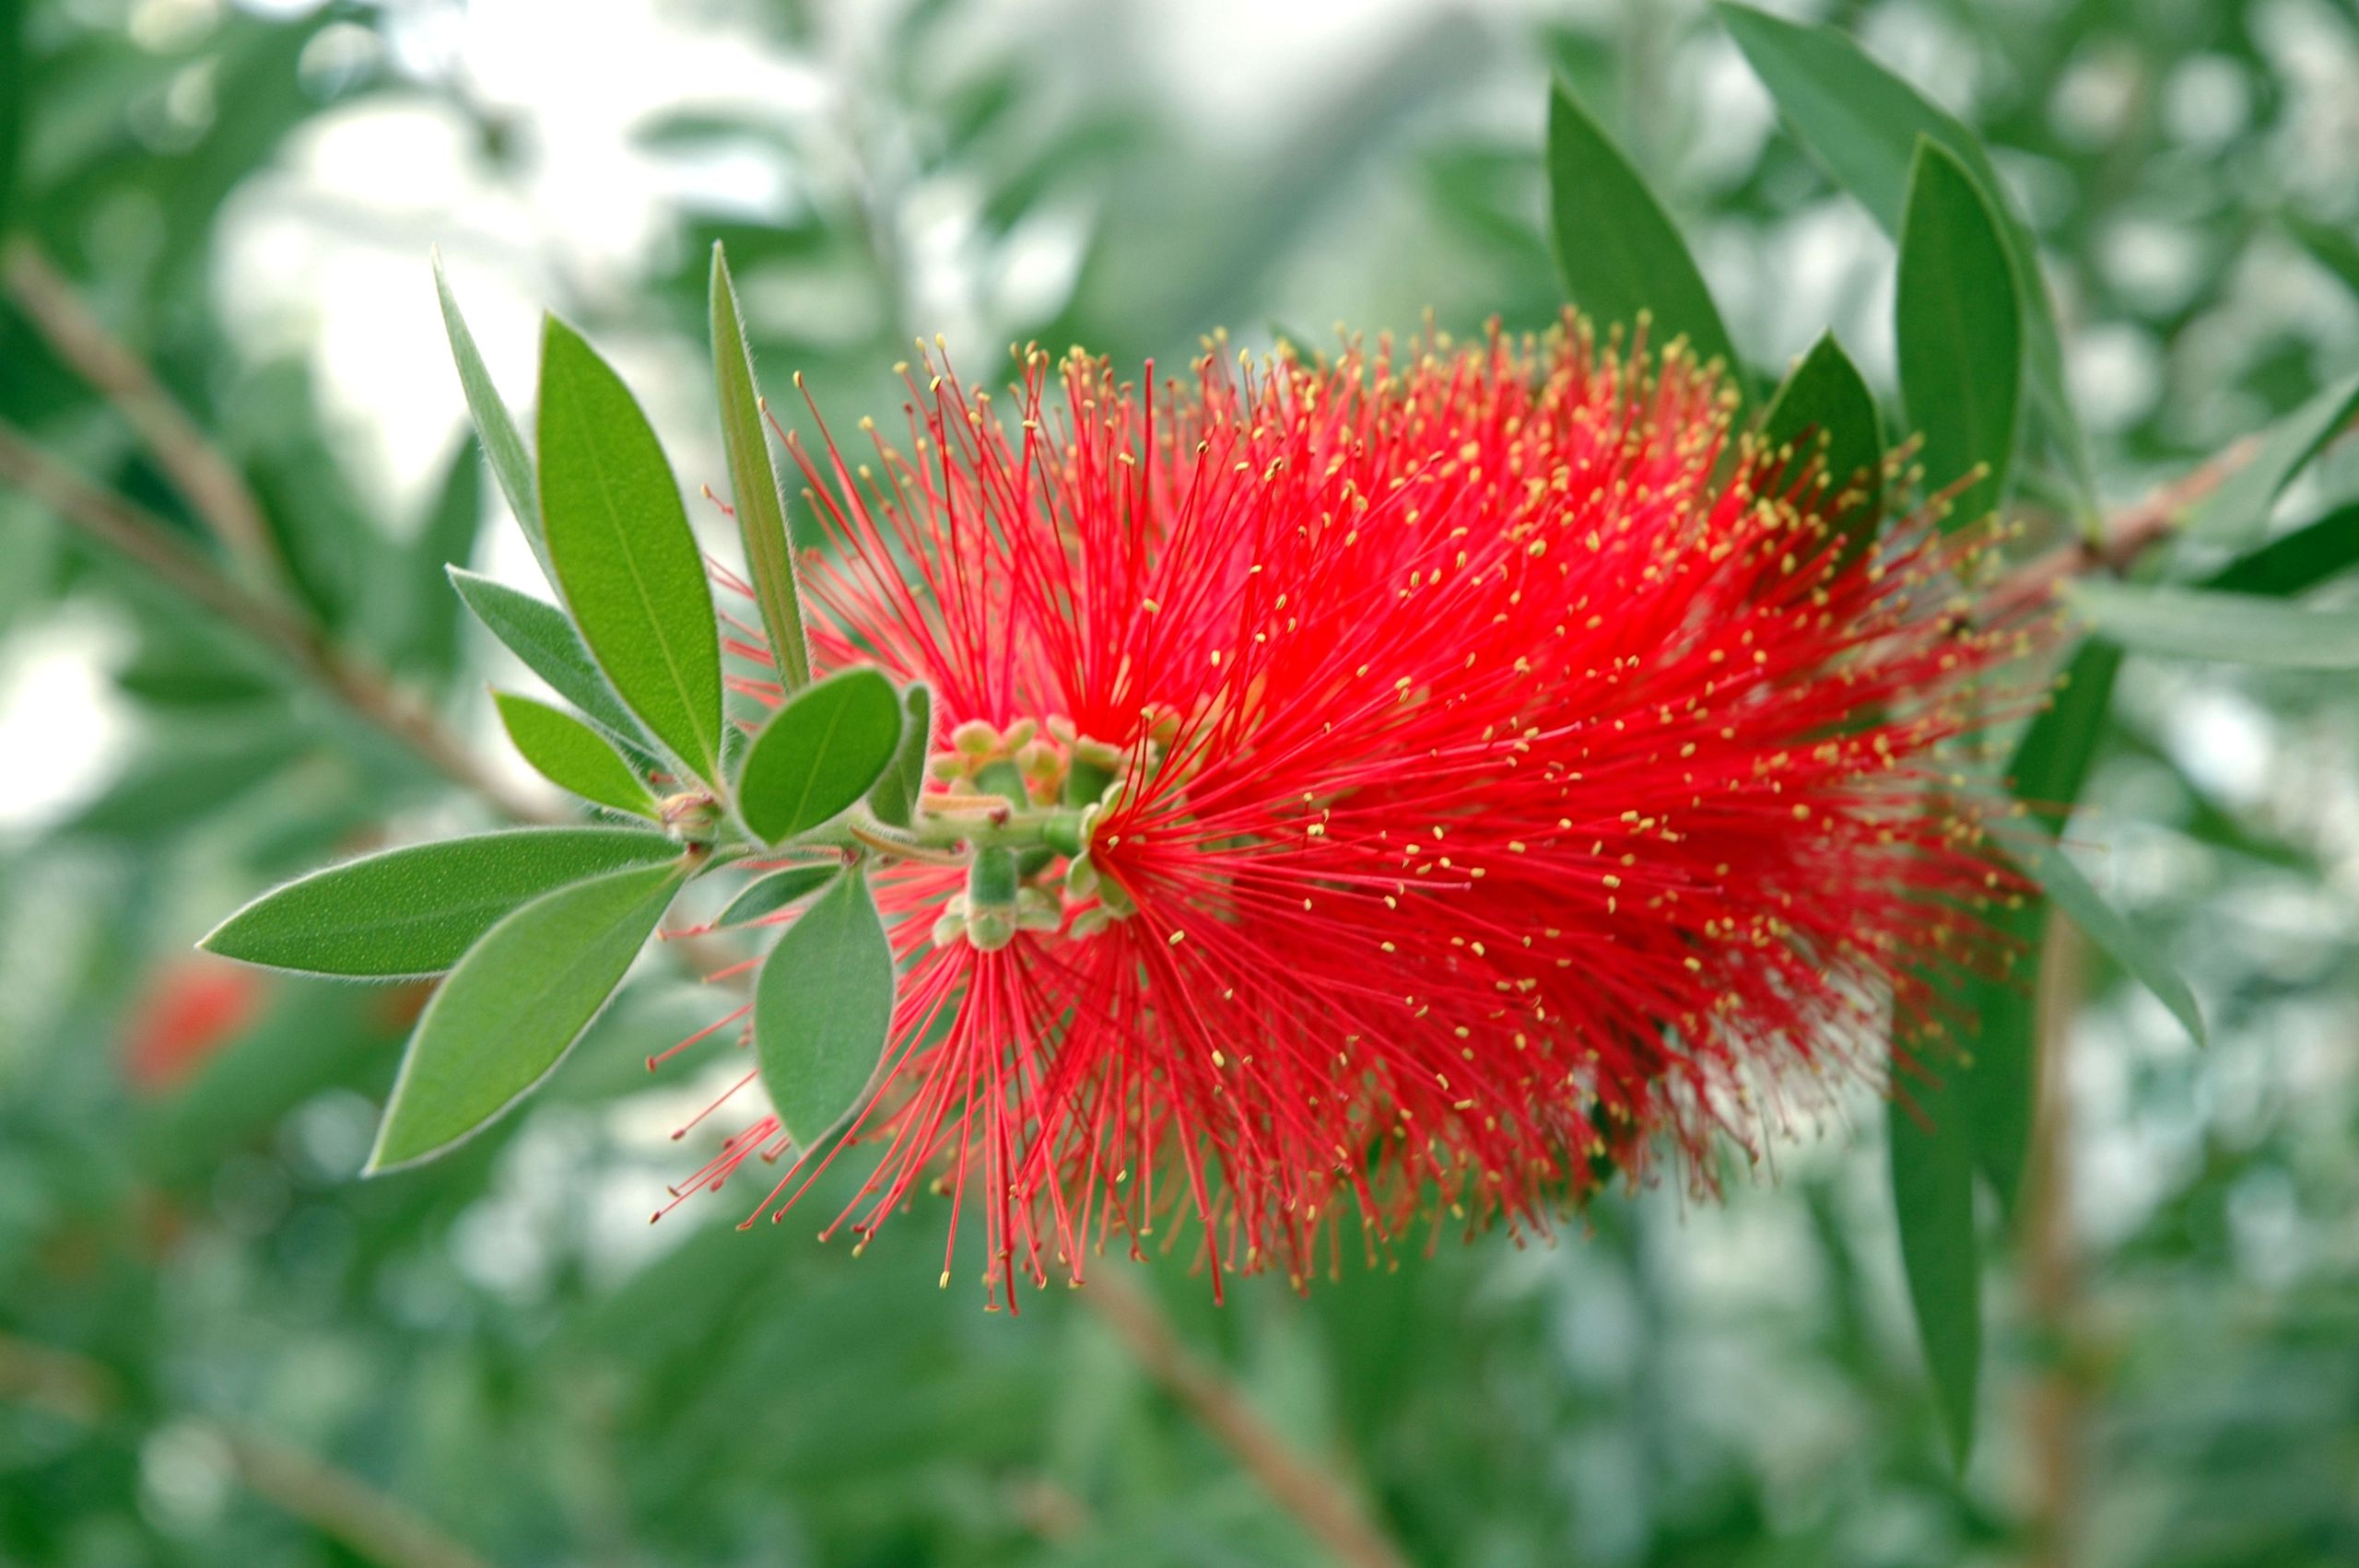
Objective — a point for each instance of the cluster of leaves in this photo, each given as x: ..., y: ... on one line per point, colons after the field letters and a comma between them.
x: 536, y: 929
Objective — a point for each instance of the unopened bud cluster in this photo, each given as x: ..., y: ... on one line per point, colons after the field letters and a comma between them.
x: 1034, y: 768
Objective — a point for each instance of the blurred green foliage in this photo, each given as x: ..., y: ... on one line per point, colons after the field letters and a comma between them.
x: 499, y: 1341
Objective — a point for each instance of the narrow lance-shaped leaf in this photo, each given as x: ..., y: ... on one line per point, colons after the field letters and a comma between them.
x: 1931, y: 1153
x: 1862, y: 122
x: 895, y: 798
x: 769, y: 895
x: 1998, y: 1081
x: 2104, y: 925
x: 538, y: 632
x: 1616, y: 247
x: 753, y: 482
x: 1958, y: 325
x: 2238, y: 511
x: 503, y: 443
x: 2235, y: 628
x: 2297, y: 560
x: 2333, y: 248
x: 426, y: 632
x: 819, y: 753
x: 572, y: 756
x: 1824, y: 407
x: 410, y: 912
x: 823, y: 1011
x: 515, y: 1005
x: 625, y: 560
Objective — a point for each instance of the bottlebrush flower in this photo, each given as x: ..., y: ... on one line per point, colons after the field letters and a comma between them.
x: 1492, y: 761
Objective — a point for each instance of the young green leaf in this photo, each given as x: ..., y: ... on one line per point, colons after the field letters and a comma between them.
x: 753, y: 482
x: 2235, y: 628
x: 2237, y: 511
x: 819, y: 753
x: 769, y: 895
x: 1931, y: 1147
x: 538, y: 632
x: 823, y: 1011
x: 1862, y: 122
x: 503, y: 443
x: 411, y: 912
x: 572, y: 756
x: 1617, y: 249
x: 2104, y: 925
x: 1824, y: 406
x: 895, y: 798
x: 627, y: 564
x: 515, y: 1005
x: 1958, y: 321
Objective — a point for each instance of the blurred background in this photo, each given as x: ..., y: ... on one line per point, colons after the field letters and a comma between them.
x: 216, y: 1347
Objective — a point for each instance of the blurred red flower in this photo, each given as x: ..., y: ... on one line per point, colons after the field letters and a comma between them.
x: 189, y: 1007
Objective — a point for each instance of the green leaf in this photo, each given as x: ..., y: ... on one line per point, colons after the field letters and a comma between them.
x: 503, y: 443
x: 753, y: 483
x: 775, y: 892
x: 895, y: 799
x: 515, y: 1005
x: 2104, y: 925
x: 1862, y: 122
x: 1824, y: 406
x: 823, y: 1011
x: 1999, y: 1077
x: 427, y: 638
x: 819, y: 753
x: 628, y: 566
x: 2331, y: 248
x: 15, y: 106
x: 2236, y: 628
x: 2296, y: 561
x: 1931, y: 1147
x: 413, y: 911
x: 1959, y: 326
x: 2237, y: 511
x: 572, y: 756
x: 1617, y: 251
x: 538, y: 632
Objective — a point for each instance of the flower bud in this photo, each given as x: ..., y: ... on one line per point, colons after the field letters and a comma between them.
x: 988, y: 930
x: 693, y: 817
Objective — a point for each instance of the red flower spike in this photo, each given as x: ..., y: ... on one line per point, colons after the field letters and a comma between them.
x: 1503, y: 764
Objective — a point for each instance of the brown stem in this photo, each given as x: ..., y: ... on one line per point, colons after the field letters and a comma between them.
x: 213, y: 487
x: 1312, y: 1494
x: 2128, y: 535
x: 2058, y: 1401
x: 336, y: 1503
x: 152, y: 545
